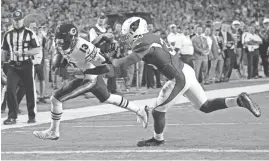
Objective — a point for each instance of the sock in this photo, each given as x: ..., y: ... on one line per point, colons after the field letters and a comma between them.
x: 56, y: 114
x: 213, y: 105
x: 158, y: 137
x: 159, y: 124
x: 122, y: 102
x: 232, y: 102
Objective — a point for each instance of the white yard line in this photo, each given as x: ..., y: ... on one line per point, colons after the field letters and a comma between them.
x: 121, y: 126
x: 103, y: 109
x: 141, y: 151
x: 194, y: 124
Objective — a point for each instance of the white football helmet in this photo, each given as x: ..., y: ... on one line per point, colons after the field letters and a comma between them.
x: 132, y: 29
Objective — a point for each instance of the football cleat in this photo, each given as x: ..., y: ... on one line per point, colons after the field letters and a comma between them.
x: 47, y: 134
x: 150, y: 142
x: 246, y: 102
x: 143, y: 116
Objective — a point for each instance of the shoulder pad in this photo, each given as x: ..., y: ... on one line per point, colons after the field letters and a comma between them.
x: 142, y: 44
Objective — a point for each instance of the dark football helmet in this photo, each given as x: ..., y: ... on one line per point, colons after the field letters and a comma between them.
x: 66, y: 37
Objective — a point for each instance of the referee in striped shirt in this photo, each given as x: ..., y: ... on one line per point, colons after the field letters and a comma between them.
x: 18, y: 47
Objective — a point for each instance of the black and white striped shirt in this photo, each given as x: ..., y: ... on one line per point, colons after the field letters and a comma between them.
x: 19, y: 40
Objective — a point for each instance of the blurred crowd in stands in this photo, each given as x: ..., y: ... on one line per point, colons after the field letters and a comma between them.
x: 166, y: 12
x: 212, y: 36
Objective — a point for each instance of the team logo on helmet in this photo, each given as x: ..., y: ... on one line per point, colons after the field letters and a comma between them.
x: 134, y: 26
x: 73, y: 31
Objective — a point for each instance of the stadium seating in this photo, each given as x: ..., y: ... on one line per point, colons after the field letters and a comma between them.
x: 180, y: 12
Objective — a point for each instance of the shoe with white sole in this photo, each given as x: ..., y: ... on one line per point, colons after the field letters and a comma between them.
x: 143, y: 116
x: 47, y: 134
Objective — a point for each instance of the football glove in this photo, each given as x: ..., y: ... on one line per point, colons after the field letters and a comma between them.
x: 58, y: 61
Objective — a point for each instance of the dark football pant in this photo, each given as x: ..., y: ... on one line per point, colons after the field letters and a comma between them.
x: 229, y: 62
x: 21, y: 72
x: 265, y: 61
x: 79, y: 87
x: 39, y: 72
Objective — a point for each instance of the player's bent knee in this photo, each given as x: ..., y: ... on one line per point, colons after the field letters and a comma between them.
x: 155, y: 112
x: 161, y: 108
x: 205, y: 107
x: 55, y: 101
x: 100, y: 90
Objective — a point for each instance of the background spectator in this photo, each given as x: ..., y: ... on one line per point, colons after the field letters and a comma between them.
x: 201, y: 51
x: 174, y: 37
x: 217, y: 60
x: 252, y: 42
x: 228, y: 48
x: 186, y: 47
x: 89, y: 15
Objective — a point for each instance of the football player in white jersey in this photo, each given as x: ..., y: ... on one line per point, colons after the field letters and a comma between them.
x: 81, y: 55
x: 181, y: 78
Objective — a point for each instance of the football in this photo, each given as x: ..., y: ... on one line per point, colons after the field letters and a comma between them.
x: 58, y: 61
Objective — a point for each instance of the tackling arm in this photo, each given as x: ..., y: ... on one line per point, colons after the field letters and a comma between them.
x: 126, y: 61
x: 102, y: 38
x: 137, y: 54
x: 98, y: 70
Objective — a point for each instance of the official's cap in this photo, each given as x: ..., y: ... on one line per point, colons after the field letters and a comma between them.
x: 17, y: 15
x: 266, y: 20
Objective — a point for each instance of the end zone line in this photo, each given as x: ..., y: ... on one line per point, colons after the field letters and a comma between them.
x: 142, y: 151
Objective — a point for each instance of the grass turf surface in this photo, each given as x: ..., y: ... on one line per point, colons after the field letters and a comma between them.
x: 187, y: 129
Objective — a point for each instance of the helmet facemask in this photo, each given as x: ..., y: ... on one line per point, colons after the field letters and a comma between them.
x: 65, y: 43
x: 128, y: 39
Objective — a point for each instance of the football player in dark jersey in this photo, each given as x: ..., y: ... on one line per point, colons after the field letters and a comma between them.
x: 181, y: 77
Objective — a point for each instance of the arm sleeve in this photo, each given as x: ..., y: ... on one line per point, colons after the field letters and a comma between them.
x: 128, y: 60
x: 98, y: 70
x: 141, y: 47
x: 34, y: 41
x: 5, y: 45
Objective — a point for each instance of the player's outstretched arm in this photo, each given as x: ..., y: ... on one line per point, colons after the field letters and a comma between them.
x: 107, y: 37
x: 98, y: 70
x: 126, y: 61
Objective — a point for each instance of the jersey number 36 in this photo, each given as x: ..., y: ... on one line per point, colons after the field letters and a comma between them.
x: 167, y: 48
